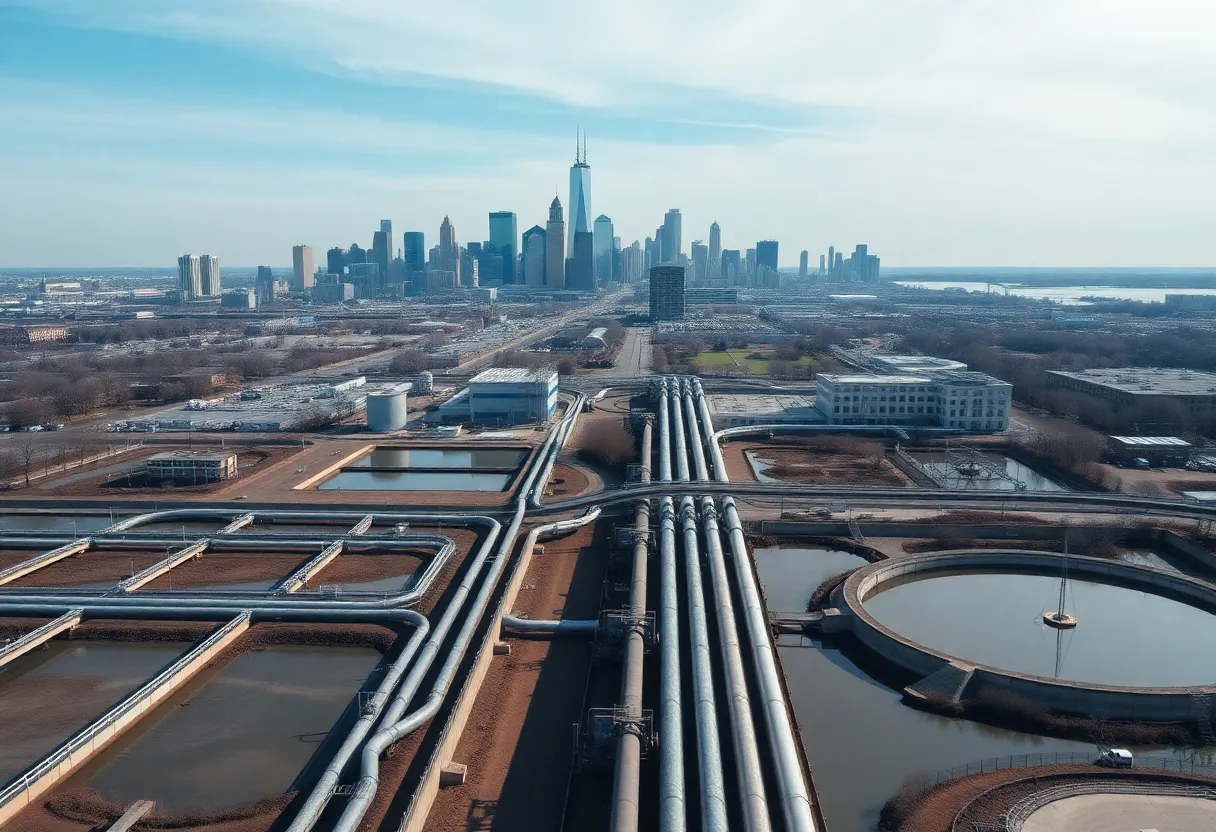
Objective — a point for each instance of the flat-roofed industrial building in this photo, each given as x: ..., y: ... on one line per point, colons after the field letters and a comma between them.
x: 1195, y: 391
x: 969, y: 401
x: 191, y: 466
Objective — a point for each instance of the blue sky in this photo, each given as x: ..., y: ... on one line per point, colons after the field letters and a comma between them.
x: 1043, y: 133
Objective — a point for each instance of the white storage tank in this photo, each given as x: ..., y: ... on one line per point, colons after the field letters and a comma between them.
x: 386, y: 411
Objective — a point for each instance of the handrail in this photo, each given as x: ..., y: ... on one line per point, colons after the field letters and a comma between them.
x: 86, y: 735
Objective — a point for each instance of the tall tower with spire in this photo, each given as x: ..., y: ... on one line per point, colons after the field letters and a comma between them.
x: 580, y: 193
x: 555, y: 247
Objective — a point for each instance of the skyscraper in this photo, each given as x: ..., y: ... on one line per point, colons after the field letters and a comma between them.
x: 265, y: 285
x: 715, y: 251
x: 534, y: 256
x: 700, y: 262
x: 766, y: 254
x: 449, y: 249
x: 555, y: 247
x: 580, y: 194
x: 832, y: 260
x: 580, y: 271
x: 387, y: 227
x: 189, y: 277
x: 415, y: 251
x: 602, y: 246
x: 671, y: 236
x: 301, y: 268
x: 209, y: 275
x: 802, y: 261
x: 666, y: 293
x: 731, y: 261
x: 504, y: 242
x: 822, y: 267
x: 335, y: 260
x: 382, y: 251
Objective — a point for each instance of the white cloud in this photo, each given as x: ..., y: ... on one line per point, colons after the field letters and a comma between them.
x: 1041, y: 132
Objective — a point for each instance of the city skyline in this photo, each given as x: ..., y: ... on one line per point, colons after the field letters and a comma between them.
x: 1068, y: 140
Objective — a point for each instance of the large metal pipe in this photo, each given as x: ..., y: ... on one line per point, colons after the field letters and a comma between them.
x: 394, y: 727
x: 792, y: 785
x: 748, y: 771
x: 627, y: 777
x: 672, y: 813
x: 709, y: 751
x: 560, y: 626
x: 557, y: 439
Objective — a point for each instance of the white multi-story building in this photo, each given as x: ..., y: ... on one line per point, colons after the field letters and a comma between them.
x: 959, y: 400
x: 189, y: 277
x: 209, y: 275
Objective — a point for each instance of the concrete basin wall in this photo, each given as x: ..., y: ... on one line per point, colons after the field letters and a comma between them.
x: 1157, y: 704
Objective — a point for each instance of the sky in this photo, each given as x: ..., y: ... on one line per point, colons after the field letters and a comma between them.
x: 939, y: 132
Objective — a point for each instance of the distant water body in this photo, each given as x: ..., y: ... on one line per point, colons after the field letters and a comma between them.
x: 1065, y: 295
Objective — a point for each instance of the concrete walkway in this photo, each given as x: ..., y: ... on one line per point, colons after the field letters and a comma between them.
x: 1124, y: 813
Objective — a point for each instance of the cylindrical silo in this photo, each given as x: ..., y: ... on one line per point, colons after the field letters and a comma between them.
x: 386, y: 411
x: 424, y: 383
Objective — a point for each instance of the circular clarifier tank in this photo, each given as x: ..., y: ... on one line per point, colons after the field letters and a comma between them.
x: 1124, y: 636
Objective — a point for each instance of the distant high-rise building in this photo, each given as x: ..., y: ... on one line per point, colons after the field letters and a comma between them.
x: 580, y: 271
x: 209, y: 274
x: 387, y: 227
x: 449, y: 249
x: 633, y: 262
x: 700, y: 262
x: 666, y: 293
x: 838, y: 268
x: 602, y: 247
x: 802, y: 263
x: 822, y: 268
x: 715, y: 252
x: 469, y: 274
x: 504, y: 242
x: 862, y: 265
x: 534, y: 256
x: 301, y: 268
x: 189, y: 277
x: 650, y: 253
x: 832, y: 260
x: 555, y: 247
x: 265, y: 285
x: 382, y: 250
x: 335, y: 260
x: 672, y: 243
x: 749, y: 263
x: 415, y: 251
x: 766, y: 254
x: 616, y: 259
x: 355, y: 255
x: 580, y: 194
x: 731, y: 265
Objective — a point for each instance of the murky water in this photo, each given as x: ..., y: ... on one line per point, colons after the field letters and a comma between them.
x: 53, y: 522
x: 415, y: 481
x: 791, y: 574
x: 436, y: 458
x: 862, y: 742
x: 1065, y: 295
x: 1124, y: 636
x: 243, y: 734
x: 759, y: 466
x: 1016, y: 472
x: 51, y: 693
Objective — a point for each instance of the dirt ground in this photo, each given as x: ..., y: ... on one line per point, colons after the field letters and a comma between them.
x: 795, y: 464
x: 12, y: 557
x: 352, y: 567
x: 224, y: 568
x: 249, y: 460
x: 572, y: 481
x: 517, y: 741
x: 95, y: 567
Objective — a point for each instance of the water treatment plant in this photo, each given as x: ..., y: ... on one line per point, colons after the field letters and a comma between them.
x: 762, y: 627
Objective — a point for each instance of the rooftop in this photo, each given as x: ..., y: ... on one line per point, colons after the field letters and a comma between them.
x: 918, y: 363
x: 512, y: 375
x: 871, y: 378
x: 756, y: 403
x: 200, y: 456
x: 1155, y: 441
x: 1149, y: 381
